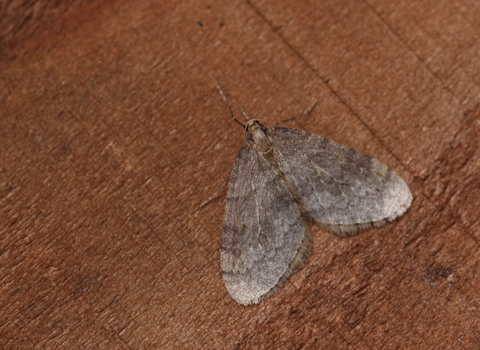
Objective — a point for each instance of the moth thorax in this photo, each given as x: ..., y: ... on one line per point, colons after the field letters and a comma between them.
x: 258, y: 136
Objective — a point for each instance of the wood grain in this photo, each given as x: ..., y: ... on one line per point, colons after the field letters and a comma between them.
x: 112, y: 134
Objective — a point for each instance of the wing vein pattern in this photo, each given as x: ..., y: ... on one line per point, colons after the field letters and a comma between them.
x: 258, y: 203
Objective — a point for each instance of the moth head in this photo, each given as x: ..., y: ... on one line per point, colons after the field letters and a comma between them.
x: 253, y: 125
x: 257, y: 136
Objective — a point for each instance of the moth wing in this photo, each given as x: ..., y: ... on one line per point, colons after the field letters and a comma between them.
x: 342, y: 189
x: 264, y: 232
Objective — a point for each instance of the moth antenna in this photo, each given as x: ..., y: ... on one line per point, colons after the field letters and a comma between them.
x: 245, y: 115
x: 224, y: 97
x: 309, y: 109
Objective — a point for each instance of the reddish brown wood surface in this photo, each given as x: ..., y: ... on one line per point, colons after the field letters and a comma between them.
x: 112, y: 134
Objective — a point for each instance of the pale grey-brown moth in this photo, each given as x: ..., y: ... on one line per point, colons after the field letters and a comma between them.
x: 282, y: 180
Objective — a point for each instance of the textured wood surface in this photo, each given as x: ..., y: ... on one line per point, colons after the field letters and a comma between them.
x: 112, y: 134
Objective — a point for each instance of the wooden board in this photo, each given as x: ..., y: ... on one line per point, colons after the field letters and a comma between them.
x: 112, y: 134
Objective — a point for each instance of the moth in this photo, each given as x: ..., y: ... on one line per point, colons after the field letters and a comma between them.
x: 284, y: 179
